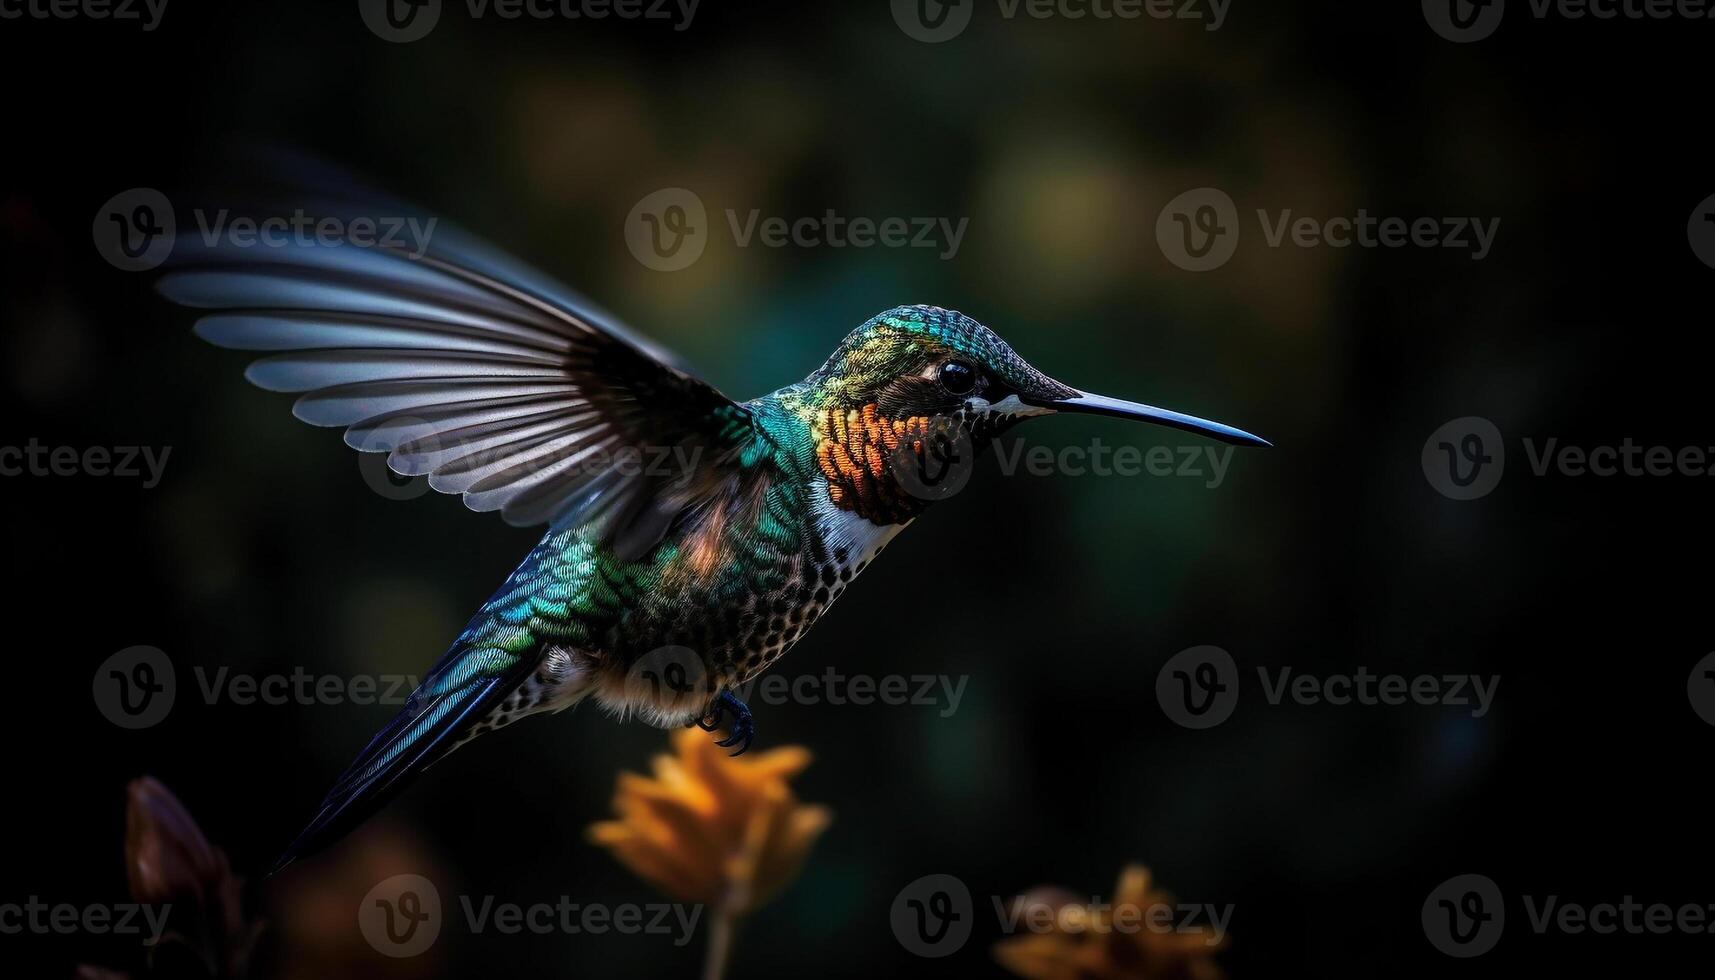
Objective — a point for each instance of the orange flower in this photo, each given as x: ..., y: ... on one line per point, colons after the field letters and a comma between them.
x: 713, y: 829
x: 1096, y: 943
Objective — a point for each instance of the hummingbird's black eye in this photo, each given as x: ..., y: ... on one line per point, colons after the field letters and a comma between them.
x: 957, y: 377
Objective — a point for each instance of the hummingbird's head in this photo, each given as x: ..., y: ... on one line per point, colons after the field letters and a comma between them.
x: 927, y: 362
x: 919, y: 373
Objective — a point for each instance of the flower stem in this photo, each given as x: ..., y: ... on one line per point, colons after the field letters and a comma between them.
x: 721, y: 926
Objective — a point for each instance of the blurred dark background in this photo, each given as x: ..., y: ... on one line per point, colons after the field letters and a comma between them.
x: 1061, y: 140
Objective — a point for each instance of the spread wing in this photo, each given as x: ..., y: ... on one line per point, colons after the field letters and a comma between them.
x: 475, y: 371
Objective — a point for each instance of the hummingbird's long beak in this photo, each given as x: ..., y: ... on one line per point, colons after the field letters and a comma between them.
x: 1082, y: 402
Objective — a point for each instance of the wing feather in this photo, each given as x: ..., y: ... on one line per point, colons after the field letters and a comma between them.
x: 470, y: 369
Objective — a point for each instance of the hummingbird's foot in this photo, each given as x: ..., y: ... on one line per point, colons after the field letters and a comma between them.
x: 743, y: 725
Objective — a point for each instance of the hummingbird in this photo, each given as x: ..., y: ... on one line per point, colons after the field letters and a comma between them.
x: 691, y: 539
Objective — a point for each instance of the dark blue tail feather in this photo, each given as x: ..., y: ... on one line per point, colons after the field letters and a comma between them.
x: 464, y: 686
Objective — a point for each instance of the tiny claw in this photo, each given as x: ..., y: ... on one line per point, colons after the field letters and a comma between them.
x: 743, y: 726
x: 745, y: 734
x: 743, y: 730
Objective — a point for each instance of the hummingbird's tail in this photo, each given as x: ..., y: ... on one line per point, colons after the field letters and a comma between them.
x: 460, y: 692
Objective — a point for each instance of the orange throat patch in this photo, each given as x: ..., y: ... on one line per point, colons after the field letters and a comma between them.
x: 856, y: 452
